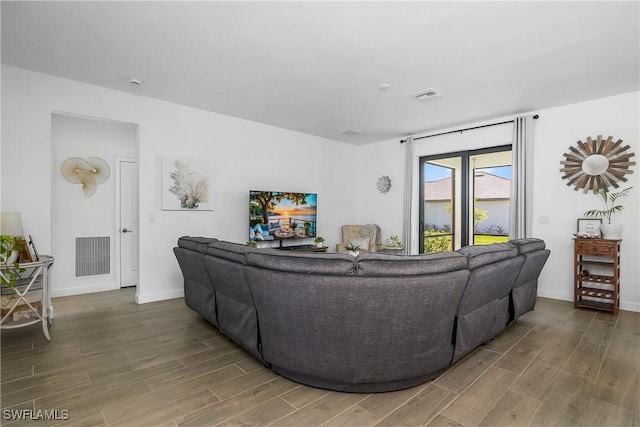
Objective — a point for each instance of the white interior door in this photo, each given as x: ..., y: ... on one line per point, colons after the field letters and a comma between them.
x: 128, y: 223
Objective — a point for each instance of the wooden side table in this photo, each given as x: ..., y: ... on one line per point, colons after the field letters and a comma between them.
x: 596, y: 273
x: 29, y: 302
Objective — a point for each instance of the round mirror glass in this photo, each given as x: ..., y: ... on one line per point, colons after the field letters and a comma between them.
x: 595, y: 164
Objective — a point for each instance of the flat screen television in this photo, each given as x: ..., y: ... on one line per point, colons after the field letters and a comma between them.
x: 275, y: 215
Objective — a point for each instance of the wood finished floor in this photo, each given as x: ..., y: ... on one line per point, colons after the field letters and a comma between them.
x: 113, y: 362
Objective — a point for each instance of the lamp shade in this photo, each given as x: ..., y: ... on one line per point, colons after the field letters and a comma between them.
x: 11, y: 224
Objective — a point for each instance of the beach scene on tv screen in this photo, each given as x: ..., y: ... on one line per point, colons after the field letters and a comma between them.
x: 279, y: 215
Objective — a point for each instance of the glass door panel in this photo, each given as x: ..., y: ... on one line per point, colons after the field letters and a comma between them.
x: 441, y: 196
x: 491, y: 195
x: 465, y: 199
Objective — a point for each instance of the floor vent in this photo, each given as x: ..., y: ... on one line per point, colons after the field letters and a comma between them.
x: 93, y: 256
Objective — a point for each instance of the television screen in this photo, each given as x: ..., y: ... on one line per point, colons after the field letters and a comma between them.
x: 280, y: 216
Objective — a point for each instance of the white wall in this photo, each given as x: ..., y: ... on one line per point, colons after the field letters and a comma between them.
x: 344, y: 176
x: 247, y: 155
x: 555, y: 206
x: 73, y: 214
x: 557, y: 129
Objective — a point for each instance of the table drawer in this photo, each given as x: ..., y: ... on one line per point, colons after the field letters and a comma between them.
x: 595, y: 247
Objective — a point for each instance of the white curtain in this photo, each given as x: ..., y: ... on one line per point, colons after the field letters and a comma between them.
x: 520, y: 210
x: 407, y: 211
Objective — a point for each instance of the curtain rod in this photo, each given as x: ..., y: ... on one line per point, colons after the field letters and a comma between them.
x: 465, y: 129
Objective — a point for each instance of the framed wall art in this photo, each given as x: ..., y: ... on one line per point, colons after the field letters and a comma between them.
x: 589, y: 225
x: 187, y: 184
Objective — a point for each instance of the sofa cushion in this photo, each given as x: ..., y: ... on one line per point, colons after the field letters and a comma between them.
x: 528, y: 245
x: 376, y: 264
x: 230, y: 251
x: 198, y: 244
x: 482, y: 255
x: 305, y: 263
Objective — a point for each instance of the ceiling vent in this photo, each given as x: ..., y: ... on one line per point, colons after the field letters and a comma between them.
x: 351, y: 132
x: 426, y: 94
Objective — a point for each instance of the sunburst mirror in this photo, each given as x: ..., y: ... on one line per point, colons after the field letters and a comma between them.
x: 597, y: 164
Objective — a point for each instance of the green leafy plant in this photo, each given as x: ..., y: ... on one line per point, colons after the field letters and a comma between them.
x: 318, y: 239
x: 11, y: 270
x: 252, y: 243
x: 394, y: 242
x: 609, y: 204
x: 352, y: 247
x: 437, y: 240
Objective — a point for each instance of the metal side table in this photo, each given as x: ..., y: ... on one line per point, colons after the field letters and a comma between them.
x: 29, y: 302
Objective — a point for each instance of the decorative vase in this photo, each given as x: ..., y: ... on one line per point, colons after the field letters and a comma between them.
x: 319, y: 244
x: 611, y: 231
x: 13, y: 257
x: 354, y: 253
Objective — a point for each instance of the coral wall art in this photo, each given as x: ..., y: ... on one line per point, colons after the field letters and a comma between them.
x: 186, y: 184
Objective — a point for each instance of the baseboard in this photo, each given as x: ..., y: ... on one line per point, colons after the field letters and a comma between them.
x: 630, y: 306
x: 88, y: 289
x: 158, y: 296
x: 562, y: 296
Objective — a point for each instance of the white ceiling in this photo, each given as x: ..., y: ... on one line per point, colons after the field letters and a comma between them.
x: 315, y: 67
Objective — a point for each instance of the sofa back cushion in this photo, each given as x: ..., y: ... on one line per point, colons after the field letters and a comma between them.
x: 198, y: 291
x: 234, y: 252
x: 376, y: 264
x: 303, y: 263
x: 235, y: 311
x: 480, y: 255
x: 527, y: 245
x: 198, y: 244
x: 355, y: 330
x: 494, y: 269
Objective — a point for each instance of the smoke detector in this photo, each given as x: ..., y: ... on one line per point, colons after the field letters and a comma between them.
x: 426, y: 94
x: 351, y: 132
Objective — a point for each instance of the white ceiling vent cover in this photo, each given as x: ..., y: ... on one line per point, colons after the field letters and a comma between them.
x: 351, y: 132
x: 426, y: 94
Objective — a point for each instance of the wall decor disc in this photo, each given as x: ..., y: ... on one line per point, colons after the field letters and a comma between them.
x: 384, y: 184
x: 597, y: 164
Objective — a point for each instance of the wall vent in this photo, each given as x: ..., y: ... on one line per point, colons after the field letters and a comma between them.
x: 351, y: 132
x: 426, y: 94
x: 93, y: 256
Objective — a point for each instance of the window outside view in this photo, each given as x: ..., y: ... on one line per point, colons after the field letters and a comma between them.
x: 487, y: 209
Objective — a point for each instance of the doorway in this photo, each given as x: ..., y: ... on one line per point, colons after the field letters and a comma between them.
x: 128, y: 222
x: 465, y: 198
x: 84, y: 224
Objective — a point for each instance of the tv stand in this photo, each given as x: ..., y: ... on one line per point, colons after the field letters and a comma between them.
x: 302, y: 248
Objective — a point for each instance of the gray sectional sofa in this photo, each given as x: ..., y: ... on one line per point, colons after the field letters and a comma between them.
x: 371, y: 323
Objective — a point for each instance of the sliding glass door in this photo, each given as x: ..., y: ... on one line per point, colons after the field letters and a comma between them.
x: 464, y: 198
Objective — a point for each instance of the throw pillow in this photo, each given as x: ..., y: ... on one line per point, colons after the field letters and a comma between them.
x: 362, y: 242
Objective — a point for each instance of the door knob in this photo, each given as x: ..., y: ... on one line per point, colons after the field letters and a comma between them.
x: 124, y: 230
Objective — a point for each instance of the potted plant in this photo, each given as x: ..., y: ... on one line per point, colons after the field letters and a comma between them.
x: 318, y: 240
x: 394, y: 242
x: 352, y: 248
x: 10, y: 248
x: 609, y: 231
x: 252, y: 243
